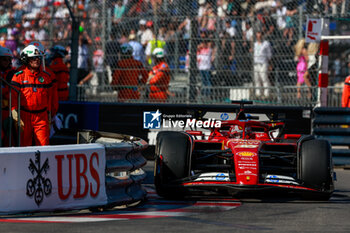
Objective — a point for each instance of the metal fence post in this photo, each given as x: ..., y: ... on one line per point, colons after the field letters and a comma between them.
x: 74, y: 55
x: 193, y: 59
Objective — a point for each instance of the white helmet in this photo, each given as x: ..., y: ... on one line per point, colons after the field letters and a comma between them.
x: 158, y: 52
x: 40, y: 47
x: 30, y: 51
x: 5, y: 52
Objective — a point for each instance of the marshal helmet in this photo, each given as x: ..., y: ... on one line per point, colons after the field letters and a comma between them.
x: 158, y: 53
x: 5, y: 52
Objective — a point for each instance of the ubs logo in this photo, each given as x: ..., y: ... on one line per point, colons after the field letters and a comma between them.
x: 38, y: 186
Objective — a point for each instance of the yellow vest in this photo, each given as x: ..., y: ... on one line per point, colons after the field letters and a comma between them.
x: 155, y: 44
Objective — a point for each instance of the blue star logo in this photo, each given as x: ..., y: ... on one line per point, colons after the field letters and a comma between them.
x: 152, y: 120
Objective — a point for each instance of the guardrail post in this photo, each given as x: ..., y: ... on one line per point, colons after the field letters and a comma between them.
x: 323, y: 74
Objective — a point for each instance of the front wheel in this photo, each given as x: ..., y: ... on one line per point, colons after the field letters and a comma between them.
x: 315, y: 167
x: 172, y: 162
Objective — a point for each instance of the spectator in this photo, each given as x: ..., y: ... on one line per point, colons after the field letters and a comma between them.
x: 112, y: 54
x: 124, y: 38
x: 184, y: 29
x: 234, y: 9
x: 151, y: 46
x: 170, y: 42
x: 262, y: 57
x: 247, y: 31
x: 145, y: 34
x: 230, y: 27
x: 138, y: 51
x: 98, y: 66
x: 83, y: 56
x: 205, y: 57
x: 208, y: 20
x: 126, y: 77
x: 222, y: 9
x: 202, y: 8
x: 226, y: 59
x: 243, y: 44
x: 300, y: 56
x: 270, y: 25
x: 4, y: 20
x: 226, y: 66
x: 118, y: 11
x: 281, y: 12
x: 290, y: 22
x: 311, y: 74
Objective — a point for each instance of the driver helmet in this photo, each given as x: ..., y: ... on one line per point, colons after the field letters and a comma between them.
x: 236, y: 131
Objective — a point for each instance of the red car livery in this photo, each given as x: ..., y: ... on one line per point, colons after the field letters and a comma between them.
x: 243, y: 155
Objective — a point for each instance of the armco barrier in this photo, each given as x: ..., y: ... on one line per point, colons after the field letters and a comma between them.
x: 123, y: 165
x: 102, y: 171
x: 333, y: 124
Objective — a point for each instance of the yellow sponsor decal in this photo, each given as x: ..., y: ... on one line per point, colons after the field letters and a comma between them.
x: 246, y: 153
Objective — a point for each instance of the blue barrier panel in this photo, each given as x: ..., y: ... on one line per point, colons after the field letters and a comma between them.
x: 332, y: 124
x: 79, y: 115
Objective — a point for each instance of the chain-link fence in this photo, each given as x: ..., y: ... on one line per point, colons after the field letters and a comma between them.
x: 215, y: 50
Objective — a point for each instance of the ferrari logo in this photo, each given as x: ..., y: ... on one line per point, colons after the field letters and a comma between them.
x: 41, y: 79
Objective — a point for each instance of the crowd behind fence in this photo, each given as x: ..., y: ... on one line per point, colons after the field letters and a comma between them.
x: 211, y: 46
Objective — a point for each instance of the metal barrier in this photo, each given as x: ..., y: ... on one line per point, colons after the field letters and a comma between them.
x: 8, y: 128
x: 332, y: 124
x: 282, y: 95
x: 123, y: 165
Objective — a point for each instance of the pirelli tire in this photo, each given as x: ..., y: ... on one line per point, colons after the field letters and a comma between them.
x: 172, y: 162
x: 315, y: 168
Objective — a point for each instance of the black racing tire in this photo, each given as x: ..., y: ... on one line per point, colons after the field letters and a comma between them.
x: 315, y: 168
x: 172, y: 162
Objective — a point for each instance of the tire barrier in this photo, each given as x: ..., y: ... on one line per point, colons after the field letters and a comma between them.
x: 123, y: 165
x: 102, y: 171
x: 333, y: 124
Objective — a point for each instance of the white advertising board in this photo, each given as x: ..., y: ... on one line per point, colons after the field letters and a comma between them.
x: 52, y: 177
x: 313, y: 30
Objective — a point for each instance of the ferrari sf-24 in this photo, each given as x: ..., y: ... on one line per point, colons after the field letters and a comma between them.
x: 244, y: 155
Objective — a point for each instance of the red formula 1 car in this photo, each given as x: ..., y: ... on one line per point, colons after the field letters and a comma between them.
x: 240, y: 156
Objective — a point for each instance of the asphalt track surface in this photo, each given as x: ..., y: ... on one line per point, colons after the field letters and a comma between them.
x: 270, y: 214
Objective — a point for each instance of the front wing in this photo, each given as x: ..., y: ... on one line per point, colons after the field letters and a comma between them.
x: 222, y: 181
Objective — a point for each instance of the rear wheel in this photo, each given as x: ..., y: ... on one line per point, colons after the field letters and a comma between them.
x: 315, y: 168
x: 172, y: 162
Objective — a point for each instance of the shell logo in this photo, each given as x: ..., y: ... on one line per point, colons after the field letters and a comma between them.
x: 246, y: 153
